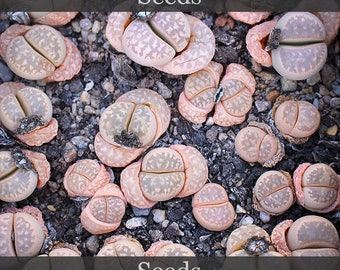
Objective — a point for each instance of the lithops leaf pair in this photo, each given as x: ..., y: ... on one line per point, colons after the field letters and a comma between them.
x: 18, y: 182
x: 296, y: 120
x: 104, y: 211
x: 85, y: 177
x: 307, y: 236
x: 52, y: 18
x: 258, y: 143
x: 212, y: 209
x: 22, y: 232
x: 162, y: 174
x: 167, y: 248
x: 172, y: 42
x: 317, y: 187
x: 27, y: 113
x: 296, y: 44
x: 121, y: 246
x: 231, y: 97
x: 131, y: 125
x: 249, y: 240
x: 249, y: 17
x: 39, y: 52
x: 273, y: 192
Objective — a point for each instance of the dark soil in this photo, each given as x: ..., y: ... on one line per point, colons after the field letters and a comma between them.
x: 107, y: 74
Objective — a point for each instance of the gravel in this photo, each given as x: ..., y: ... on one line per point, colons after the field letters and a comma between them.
x: 107, y: 74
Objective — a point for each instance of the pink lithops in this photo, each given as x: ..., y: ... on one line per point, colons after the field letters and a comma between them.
x: 249, y: 240
x: 317, y: 187
x: 331, y: 22
x: 162, y: 174
x: 296, y: 120
x: 28, y: 52
x: 131, y: 125
x: 249, y: 17
x: 307, y: 236
x: 121, y: 246
x: 17, y: 183
x: 273, y: 192
x: 22, y: 232
x: 52, y: 18
x: 64, y: 250
x: 232, y: 95
x: 104, y: 211
x: 212, y: 209
x: 169, y: 249
x: 27, y: 113
x: 258, y: 143
x: 85, y: 177
x: 173, y: 42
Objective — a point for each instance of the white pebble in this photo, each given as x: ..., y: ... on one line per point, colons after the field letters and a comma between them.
x: 264, y: 217
x: 246, y: 220
x: 135, y: 222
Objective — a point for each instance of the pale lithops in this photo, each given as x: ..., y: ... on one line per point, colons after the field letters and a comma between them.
x: 27, y: 113
x: 121, y: 246
x: 257, y: 143
x: 18, y: 181
x: 64, y: 250
x: 85, y: 177
x: 296, y: 120
x: 131, y: 125
x: 232, y: 95
x: 307, y: 236
x: 317, y: 187
x: 273, y: 192
x: 104, y: 211
x: 162, y: 174
x: 173, y: 42
x: 249, y: 17
x: 169, y: 249
x: 212, y: 209
x: 22, y: 232
x: 39, y: 52
x: 249, y: 240
x: 52, y: 18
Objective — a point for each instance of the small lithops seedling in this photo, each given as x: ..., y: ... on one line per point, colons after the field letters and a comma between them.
x: 85, y: 177
x: 232, y: 95
x: 162, y: 174
x: 27, y: 113
x: 39, y: 52
x: 17, y: 181
x: 172, y: 42
x: 249, y: 240
x: 104, y: 211
x: 273, y: 192
x: 22, y: 232
x: 131, y: 125
x: 169, y: 249
x: 317, y: 187
x: 212, y: 209
x: 297, y: 44
x: 296, y: 120
x: 121, y: 246
x: 257, y: 143
x: 307, y: 236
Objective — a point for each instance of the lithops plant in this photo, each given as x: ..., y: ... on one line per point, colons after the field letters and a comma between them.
x: 258, y: 143
x: 249, y: 240
x: 85, y: 177
x: 231, y: 97
x: 21, y: 172
x: 131, y: 125
x: 27, y: 113
x: 296, y: 44
x: 212, y: 209
x: 22, y: 232
x: 307, y: 236
x: 169, y: 249
x: 249, y: 17
x: 52, y: 18
x: 296, y: 120
x: 162, y: 174
x: 39, y: 52
x: 121, y: 246
x: 317, y: 187
x: 273, y: 192
x: 104, y: 211
x: 172, y: 42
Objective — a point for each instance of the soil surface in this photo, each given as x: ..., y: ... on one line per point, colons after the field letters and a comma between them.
x: 107, y: 74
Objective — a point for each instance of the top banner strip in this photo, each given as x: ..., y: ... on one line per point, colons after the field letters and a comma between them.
x: 170, y: 5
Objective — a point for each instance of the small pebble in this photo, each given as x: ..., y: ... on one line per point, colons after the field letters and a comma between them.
x: 140, y: 212
x: 262, y: 105
x: 288, y: 85
x: 70, y: 152
x: 272, y: 95
x: 92, y: 244
x: 96, y: 27
x: 6, y: 74
x: 51, y: 208
x: 156, y: 235
x: 246, y: 220
x: 75, y: 26
x: 85, y: 97
x: 108, y: 86
x: 332, y: 131
x: 264, y: 217
x: 135, y: 222
x: 314, y: 79
x: 158, y: 215
x: 335, y: 102
x: 85, y: 24
x: 240, y: 210
x: 89, y: 86
x: 163, y: 90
